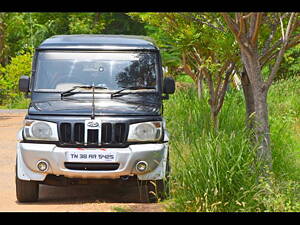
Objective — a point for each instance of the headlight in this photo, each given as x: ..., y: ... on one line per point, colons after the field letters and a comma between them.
x: 147, y: 131
x: 40, y: 130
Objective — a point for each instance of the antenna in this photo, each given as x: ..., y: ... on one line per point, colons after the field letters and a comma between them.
x: 93, y: 103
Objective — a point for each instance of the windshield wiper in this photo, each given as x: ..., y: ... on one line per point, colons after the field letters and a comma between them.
x: 69, y: 92
x: 119, y: 93
x: 93, y: 87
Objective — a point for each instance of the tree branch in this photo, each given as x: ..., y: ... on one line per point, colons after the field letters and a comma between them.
x: 243, y: 42
x: 242, y: 24
x: 204, y: 21
x: 186, y: 68
x: 267, y: 57
x: 231, y: 24
x: 290, y: 27
x: 256, y: 28
x: 221, y: 94
x: 210, y: 87
x: 248, y: 15
x: 282, y: 50
x: 273, y: 27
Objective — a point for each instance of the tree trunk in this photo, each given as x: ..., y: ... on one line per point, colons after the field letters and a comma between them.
x: 249, y: 100
x: 200, y: 86
x: 262, y: 130
x: 214, y: 119
x: 213, y: 103
x: 261, y: 122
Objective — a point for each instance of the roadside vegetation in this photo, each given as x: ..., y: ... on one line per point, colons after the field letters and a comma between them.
x: 234, y: 118
x: 217, y: 172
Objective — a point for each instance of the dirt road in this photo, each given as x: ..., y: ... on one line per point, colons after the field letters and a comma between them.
x: 80, y: 198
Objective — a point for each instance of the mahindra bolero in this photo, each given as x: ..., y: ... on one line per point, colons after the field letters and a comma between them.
x: 95, y: 113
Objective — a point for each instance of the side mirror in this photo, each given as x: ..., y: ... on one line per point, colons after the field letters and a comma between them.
x: 169, y: 85
x: 24, y: 83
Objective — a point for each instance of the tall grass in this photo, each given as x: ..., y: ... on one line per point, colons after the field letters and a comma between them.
x: 284, y: 111
x: 217, y: 171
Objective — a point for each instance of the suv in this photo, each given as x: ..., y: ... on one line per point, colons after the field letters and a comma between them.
x: 95, y: 114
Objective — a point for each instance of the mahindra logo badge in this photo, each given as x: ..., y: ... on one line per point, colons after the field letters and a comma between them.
x: 93, y: 124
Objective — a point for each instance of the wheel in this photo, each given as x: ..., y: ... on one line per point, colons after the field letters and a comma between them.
x: 154, y: 190
x: 26, y: 191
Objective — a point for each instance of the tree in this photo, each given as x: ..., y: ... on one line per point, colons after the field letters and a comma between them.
x: 202, y: 57
x: 20, y: 33
x: 263, y: 39
x: 121, y: 23
x: 25, y: 31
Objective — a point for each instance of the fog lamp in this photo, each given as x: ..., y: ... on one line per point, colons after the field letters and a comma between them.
x: 141, y: 166
x: 42, y: 165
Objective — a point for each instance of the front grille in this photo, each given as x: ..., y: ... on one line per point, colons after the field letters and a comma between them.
x: 106, y: 131
x: 119, y: 132
x: 65, y: 132
x: 92, y: 137
x: 92, y: 166
x: 78, y: 133
x: 74, y: 134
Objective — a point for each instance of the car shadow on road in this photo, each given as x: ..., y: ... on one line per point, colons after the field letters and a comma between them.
x: 89, y: 193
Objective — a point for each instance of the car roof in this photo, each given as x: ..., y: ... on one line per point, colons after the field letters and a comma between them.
x: 98, y: 42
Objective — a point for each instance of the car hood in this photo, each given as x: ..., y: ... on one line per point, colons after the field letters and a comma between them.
x: 136, y: 106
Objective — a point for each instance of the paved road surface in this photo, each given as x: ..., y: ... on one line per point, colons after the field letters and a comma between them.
x: 80, y: 198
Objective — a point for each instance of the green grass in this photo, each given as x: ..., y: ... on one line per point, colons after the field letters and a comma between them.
x: 217, y: 172
x: 284, y: 110
x: 121, y: 209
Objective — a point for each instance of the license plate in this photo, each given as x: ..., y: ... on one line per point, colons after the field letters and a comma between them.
x: 91, y: 156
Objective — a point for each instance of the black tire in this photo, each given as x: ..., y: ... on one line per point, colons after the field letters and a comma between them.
x: 153, y: 191
x: 26, y: 191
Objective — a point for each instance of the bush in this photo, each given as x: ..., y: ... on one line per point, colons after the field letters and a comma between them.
x: 290, y: 66
x: 9, y: 78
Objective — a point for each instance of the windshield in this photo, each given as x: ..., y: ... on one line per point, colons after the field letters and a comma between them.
x: 60, y: 71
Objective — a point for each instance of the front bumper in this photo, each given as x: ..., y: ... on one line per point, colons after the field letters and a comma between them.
x: 28, y: 154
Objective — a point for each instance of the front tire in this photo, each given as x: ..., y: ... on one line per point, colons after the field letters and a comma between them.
x: 26, y: 191
x: 155, y: 190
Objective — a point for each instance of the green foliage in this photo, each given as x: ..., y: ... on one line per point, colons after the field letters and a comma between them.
x: 14, y: 35
x: 216, y: 172
x: 184, y: 78
x: 10, y: 74
x: 25, y: 31
x: 85, y: 23
x: 22, y: 32
x: 121, y: 23
x: 179, y: 34
x: 210, y: 172
x: 290, y: 64
x: 171, y: 55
